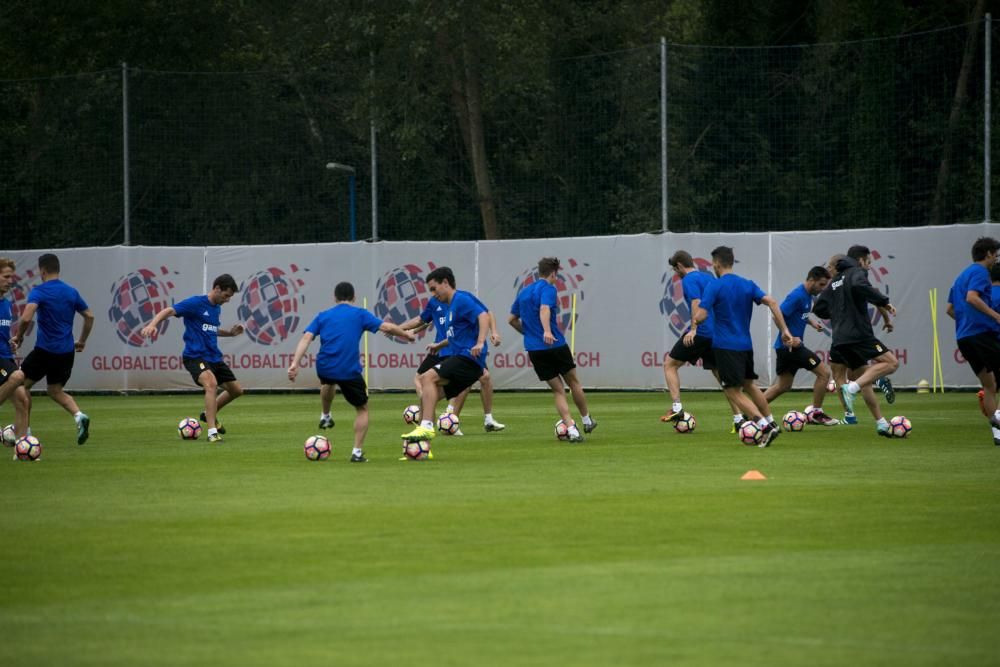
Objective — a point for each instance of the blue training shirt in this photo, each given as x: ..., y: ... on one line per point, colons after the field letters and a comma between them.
x: 201, y: 328
x: 694, y: 284
x: 732, y: 299
x: 526, y: 307
x: 795, y: 309
x: 463, y: 326
x: 58, y: 303
x: 968, y: 320
x: 6, y: 319
x: 339, y: 330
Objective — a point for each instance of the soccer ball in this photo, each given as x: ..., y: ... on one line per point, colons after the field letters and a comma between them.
x: 448, y: 423
x: 411, y: 415
x: 316, y: 448
x: 900, y: 426
x: 794, y: 421
x: 28, y: 448
x: 417, y: 451
x: 189, y: 428
x: 749, y: 433
x: 686, y: 423
x: 562, y: 430
x: 9, y: 435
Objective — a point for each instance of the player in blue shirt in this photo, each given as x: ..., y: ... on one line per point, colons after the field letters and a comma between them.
x: 339, y: 330
x: 731, y: 299
x: 202, y: 356
x: 977, y: 324
x: 435, y: 314
x: 57, y: 305
x: 534, y: 314
x: 8, y: 364
x: 995, y: 291
x: 696, y: 343
x: 468, y: 325
x: 796, y: 309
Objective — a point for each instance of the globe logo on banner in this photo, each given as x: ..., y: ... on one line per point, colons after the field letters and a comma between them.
x: 672, y: 305
x: 269, y: 304
x: 567, y: 283
x: 135, y: 300
x: 20, y: 290
x: 402, y: 294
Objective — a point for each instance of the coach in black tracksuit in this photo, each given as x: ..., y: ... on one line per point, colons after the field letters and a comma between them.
x: 845, y: 303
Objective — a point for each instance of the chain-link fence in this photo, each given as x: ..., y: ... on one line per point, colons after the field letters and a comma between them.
x: 886, y: 132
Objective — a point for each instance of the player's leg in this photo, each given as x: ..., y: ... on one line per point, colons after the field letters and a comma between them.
x: 738, y: 417
x: 12, y: 378
x: 562, y: 407
x: 817, y: 415
x: 671, y: 375
x: 327, y: 392
x: 206, y: 379
x: 838, y: 371
x: 880, y: 366
x: 355, y: 392
x: 871, y: 402
x: 486, y: 396
x: 741, y: 401
x: 22, y: 411
x: 579, y: 399
x: 232, y: 391
x: 360, y: 429
x: 60, y: 368
x: 432, y: 389
x: 782, y: 383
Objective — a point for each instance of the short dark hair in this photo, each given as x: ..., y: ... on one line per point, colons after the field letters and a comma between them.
x: 983, y: 246
x: 548, y: 265
x: 818, y: 272
x: 724, y: 254
x: 226, y: 283
x: 681, y: 258
x: 48, y: 263
x: 442, y: 274
x: 856, y: 252
x: 343, y: 292
x: 995, y: 273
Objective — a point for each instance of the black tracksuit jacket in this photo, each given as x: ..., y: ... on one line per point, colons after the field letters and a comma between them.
x: 845, y: 303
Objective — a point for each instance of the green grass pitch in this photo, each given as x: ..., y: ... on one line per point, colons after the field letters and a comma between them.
x: 639, y: 547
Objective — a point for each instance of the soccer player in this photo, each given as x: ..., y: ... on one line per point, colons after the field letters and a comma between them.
x: 56, y: 304
x: 731, y: 299
x: 533, y: 314
x: 202, y: 356
x: 436, y: 313
x: 467, y: 326
x: 796, y: 310
x: 995, y: 291
x: 845, y: 303
x: 8, y: 364
x: 977, y: 324
x: 339, y: 330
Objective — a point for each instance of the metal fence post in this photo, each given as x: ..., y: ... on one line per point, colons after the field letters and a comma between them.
x: 986, y: 123
x: 663, y: 134
x: 126, y: 213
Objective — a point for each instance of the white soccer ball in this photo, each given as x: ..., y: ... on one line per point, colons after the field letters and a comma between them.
x: 750, y: 434
x: 448, y: 423
x: 794, y: 421
x: 9, y: 435
x: 686, y: 423
x: 189, y: 428
x: 411, y: 415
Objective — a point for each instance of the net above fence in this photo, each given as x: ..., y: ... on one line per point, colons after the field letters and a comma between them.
x: 886, y: 132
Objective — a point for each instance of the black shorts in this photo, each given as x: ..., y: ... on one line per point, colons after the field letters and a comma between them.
x: 856, y: 355
x: 792, y: 360
x: 981, y: 351
x: 461, y: 373
x: 700, y: 349
x: 220, y: 370
x: 429, y: 362
x: 355, y: 390
x: 55, y: 368
x: 7, y: 366
x: 836, y: 357
x: 734, y: 367
x: 552, y: 362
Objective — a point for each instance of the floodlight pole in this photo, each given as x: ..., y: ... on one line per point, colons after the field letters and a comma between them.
x: 987, y: 112
x: 126, y: 215
x: 352, y: 187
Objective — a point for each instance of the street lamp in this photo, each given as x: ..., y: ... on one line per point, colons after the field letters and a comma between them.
x: 352, y: 186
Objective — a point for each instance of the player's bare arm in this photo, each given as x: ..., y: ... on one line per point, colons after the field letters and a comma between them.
x: 515, y: 323
x: 973, y: 299
x: 88, y: 324
x: 689, y: 336
x: 300, y: 349
x: 390, y: 329
x: 786, y: 336
x: 235, y: 330
x: 544, y: 312
x: 150, y: 329
x: 484, y: 327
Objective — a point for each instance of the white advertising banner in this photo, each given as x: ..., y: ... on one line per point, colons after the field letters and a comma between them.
x: 629, y: 308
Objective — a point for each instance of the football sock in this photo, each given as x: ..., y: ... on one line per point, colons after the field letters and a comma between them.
x: 770, y: 419
x: 325, y: 415
x: 676, y: 406
x: 809, y: 408
x: 587, y: 420
x: 853, y: 387
x: 762, y: 423
x: 738, y: 418
x: 996, y: 433
x: 213, y: 431
x: 357, y: 451
x: 996, y: 415
x: 883, y: 422
x: 426, y: 423
x: 450, y: 408
x: 488, y: 417
x: 77, y: 415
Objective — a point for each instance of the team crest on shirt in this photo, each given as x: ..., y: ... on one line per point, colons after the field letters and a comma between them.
x: 402, y: 294
x: 269, y: 304
x: 672, y: 303
x: 567, y: 284
x: 136, y: 297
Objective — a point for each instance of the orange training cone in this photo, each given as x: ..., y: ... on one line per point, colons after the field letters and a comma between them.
x: 753, y: 474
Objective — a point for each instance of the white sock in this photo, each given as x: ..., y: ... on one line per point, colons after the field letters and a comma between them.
x: 737, y: 418
x: 488, y: 418
x: 883, y: 422
x: 677, y: 407
x: 996, y: 415
x: 325, y: 415
x: 996, y: 433
x: 762, y: 423
x: 573, y: 430
x: 853, y: 387
x: 213, y: 431
x: 809, y: 408
x: 770, y: 419
x: 77, y: 415
x: 357, y: 451
x: 427, y: 423
x: 450, y: 408
x: 587, y: 420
